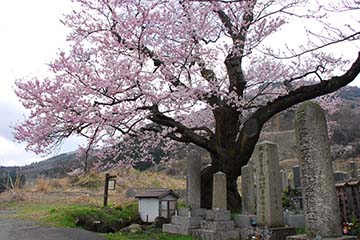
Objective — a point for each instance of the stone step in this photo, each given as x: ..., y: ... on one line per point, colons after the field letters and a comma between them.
x: 186, y: 221
x: 195, y: 212
x: 177, y: 229
x: 218, y: 215
x: 218, y: 226
x: 216, y: 235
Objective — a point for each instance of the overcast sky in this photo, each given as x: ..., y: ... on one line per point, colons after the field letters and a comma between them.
x: 31, y: 35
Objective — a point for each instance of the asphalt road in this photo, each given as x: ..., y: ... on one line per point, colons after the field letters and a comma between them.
x: 14, y: 229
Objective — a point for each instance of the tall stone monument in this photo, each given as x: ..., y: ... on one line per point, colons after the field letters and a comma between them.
x: 193, y: 180
x: 219, y: 197
x: 189, y: 218
x: 269, y: 210
x: 248, y: 189
x: 321, y: 205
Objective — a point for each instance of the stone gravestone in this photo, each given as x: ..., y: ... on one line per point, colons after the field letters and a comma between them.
x: 269, y: 210
x: 284, y: 180
x: 193, y: 181
x: 353, y: 170
x: 189, y: 218
x: 248, y: 190
x: 321, y: 205
x: 248, y: 198
x: 218, y: 224
x: 219, y: 196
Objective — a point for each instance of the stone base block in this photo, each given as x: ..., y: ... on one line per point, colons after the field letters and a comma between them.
x: 186, y: 221
x: 294, y: 220
x: 177, y: 229
x: 218, y: 215
x: 275, y: 233
x: 195, y: 212
x: 218, y: 226
x: 304, y: 237
x: 243, y: 221
x: 281, y: 233
x: 216, y: 235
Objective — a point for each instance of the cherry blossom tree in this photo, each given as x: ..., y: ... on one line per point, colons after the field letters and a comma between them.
x: 206, y: 72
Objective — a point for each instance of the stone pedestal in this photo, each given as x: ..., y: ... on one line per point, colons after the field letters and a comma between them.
x: 281, y: 233
x: 244, y: 221
x: 294, y: 220
x: 217, y: 226
x: 304, y: 237
x: 185, y: 222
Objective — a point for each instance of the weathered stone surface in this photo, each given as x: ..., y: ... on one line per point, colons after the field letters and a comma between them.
x: 195, y: 212
x: 248, y: 189
x: 216, y: 235
x: 304, y: 237
x: 321, y: 205
x: 186, y: 221
x: 294, y: 220
x: 268, y: 194
x: 243, y: 221
x: 219, y: 200
x: 193, y: 180
x: 218, y: 215
x: 178, y: 229
x: 218, y: 226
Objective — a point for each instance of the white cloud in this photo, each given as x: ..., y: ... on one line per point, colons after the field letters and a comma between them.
x: 12, y: 154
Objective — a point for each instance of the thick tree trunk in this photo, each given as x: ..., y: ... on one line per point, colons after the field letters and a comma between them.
x: 233, y: 196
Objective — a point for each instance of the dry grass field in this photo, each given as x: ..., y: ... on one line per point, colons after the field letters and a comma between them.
x: 88, y: 189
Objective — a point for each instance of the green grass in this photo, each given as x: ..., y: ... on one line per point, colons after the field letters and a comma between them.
x: 65, y: 216
x: 151, y: 234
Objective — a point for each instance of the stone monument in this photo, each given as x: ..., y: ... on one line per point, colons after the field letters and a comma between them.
x: 284, y: 180
x: 189, y: 218
x: 218, y: 224
x: 269, y: 211
x: 248, y: 190
x: 248, y: 197
x: 321, y: 205
x: 268, y: 194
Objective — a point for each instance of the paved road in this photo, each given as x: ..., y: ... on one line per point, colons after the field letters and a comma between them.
x: 14, y: 229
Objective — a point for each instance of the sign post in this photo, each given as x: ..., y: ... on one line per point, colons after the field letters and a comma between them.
x: 110, y: 184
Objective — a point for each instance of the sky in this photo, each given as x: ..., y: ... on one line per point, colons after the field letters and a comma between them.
x: 31, y: 34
